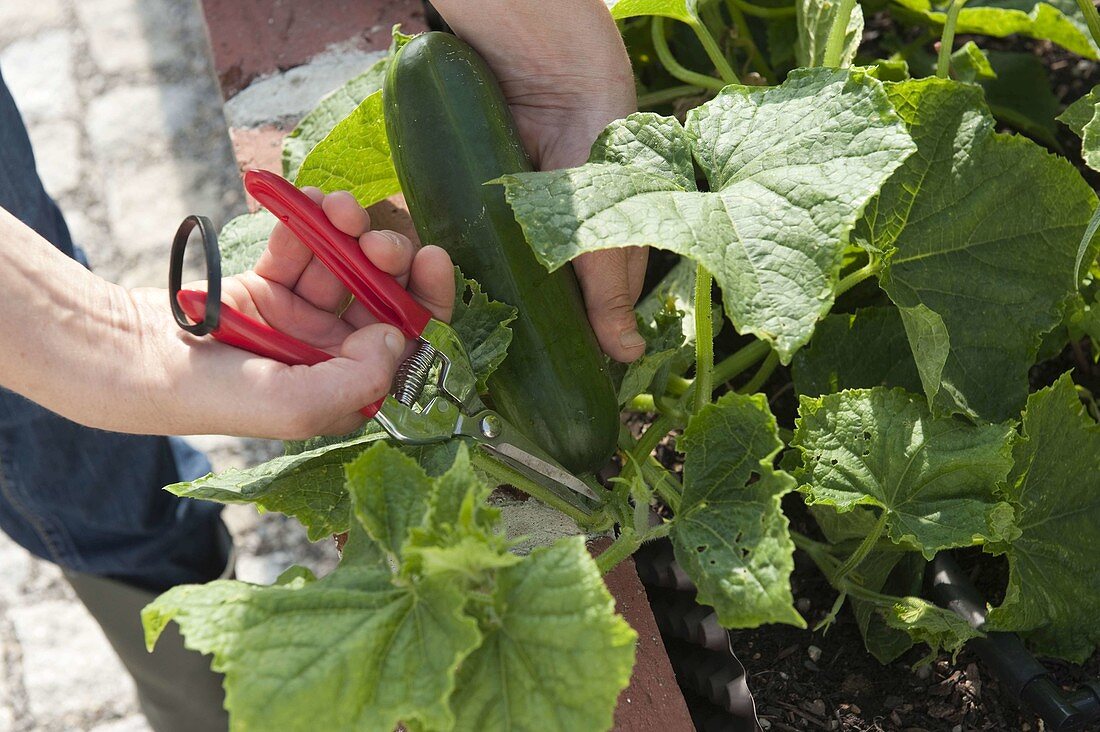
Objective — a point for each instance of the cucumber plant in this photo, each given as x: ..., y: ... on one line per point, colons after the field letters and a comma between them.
x: 877, y: 247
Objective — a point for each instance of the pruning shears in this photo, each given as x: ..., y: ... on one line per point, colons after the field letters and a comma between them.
x: 455, y: 410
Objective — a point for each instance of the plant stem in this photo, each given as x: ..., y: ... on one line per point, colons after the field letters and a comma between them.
x: 704, y: 340
x: 767, y: 366
x: 714, y: 52
x: 854, y: 278
x: 864, y: 547
x: 677, y: 385
x: 834, y: 47
x: 827, y: 563
x: 652, y: 437
x: 626, y: 544
x: 642, y: 403
x: 664, y: 485
x: 660, y: 44
x: 662, y: 96
x: 740, y: 360
x: 505, y: 474
x: 947, y: 40
x: 1091, y: 18
x: 761, y: 12
x: 744, y: 35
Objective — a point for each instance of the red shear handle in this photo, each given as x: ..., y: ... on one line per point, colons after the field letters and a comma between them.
x: 238, y: 330
x: 340, y: 252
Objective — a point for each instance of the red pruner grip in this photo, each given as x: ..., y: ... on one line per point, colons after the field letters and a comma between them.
x: 339, y: 252
x: 237, y: 329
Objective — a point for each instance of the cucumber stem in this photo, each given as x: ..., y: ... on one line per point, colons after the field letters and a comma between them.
x: 704, y: 340
x: 664, y: 54
x: 732, y: 365
x: 625, y: 544
x: 642, y: 403
x: 834, y: 47
x: 947, y: 40
x: 828, y: 564
x: 664, y: 484
x: 503, y: 473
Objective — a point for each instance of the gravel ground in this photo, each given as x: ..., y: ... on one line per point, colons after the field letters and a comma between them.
x: 129, y: 132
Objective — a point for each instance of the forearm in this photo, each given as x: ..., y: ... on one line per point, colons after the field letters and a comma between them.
x: 64, y: 332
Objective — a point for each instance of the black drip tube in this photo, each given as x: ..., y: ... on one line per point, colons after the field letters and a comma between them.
x: 1008, y: 660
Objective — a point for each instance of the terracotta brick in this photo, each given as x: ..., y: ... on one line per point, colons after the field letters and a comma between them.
x: 250, y: 38
x: 653, y: 701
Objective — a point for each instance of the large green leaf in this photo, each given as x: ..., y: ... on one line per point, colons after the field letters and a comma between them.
x: 683, y: 10
x: 1020, y: 95
x: 1083, y: 117
x: 1053, y: 594
x: 482, y: 326
x: 861, y: 350
x: 350, y: 651
x: 815, y: 19
x: 934, y: 479
x: 730, y: 535
x: 308, y: 485
x: 981, y: 233
x: 790, y: 169
x: 390, y: 493
x: 242, y: 240
x: 555, y: 655
x: 327, y: 114
x: 1057, y: 20
x: 354, y: 156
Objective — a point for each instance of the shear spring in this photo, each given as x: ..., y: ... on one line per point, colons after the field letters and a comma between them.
x: 412, y: 374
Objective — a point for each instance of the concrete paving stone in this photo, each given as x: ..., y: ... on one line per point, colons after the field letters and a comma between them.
x: 56, y: 146
x: 136, y: 35
x: 15, y: 569
x: 23, y: 20
x: 69, y: 667
x: 144, y: 121
x: 289, y: 95
x: 39, y: 72
x: 133, y: 723
x: 534, y: 522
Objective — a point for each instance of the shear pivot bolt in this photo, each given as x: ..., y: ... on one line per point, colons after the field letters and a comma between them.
x: 490, y: 426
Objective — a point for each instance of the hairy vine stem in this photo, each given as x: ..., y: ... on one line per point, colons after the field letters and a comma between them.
x: 1092, y: 19
x: 704, y: 340
x: 767, y: 367
x: 714, y: 52
x: 864, y: 547
x: 662, y: 96
x: 674, y: 67
x: 947, y: 40
x: 852, y: 279
x: 625, y: 544
x: 834, y: 47
x: 761, y: 12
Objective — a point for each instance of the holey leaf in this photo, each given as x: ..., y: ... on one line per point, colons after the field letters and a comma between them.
x: 981, y: 234
x: 350, y: 651
x: 555, y: 654
x: 731, y: 535
x: 933, y: 479
x: 789, y: 168
x: 1053, y: 594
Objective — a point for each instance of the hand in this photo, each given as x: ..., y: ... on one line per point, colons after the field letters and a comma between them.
x: 565, y: 73
x: 295, y: 293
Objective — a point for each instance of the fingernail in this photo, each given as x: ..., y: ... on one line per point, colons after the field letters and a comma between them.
x: 395, y: 343
x: 631, y: 338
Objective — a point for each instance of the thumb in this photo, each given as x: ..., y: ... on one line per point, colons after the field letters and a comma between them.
x: 361, y: 375
x: 609, y: 296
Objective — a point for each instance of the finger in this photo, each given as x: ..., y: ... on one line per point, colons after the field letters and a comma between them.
x: 392, y: 253
x: 286, y: 258
x: 609, y: 296
x: 432, y: 281
x: 285, y: 311
x: 325, y: 398
x: 345, y: 213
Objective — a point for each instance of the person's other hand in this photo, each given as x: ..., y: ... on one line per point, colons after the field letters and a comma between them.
x: 566, y: 75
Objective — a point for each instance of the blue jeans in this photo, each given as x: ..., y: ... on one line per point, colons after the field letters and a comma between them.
x: 89, y: 500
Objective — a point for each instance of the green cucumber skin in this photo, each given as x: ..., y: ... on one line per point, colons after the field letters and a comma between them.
x: 450, y: 131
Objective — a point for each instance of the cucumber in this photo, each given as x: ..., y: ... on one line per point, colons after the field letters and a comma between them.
x: 450, y: 131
